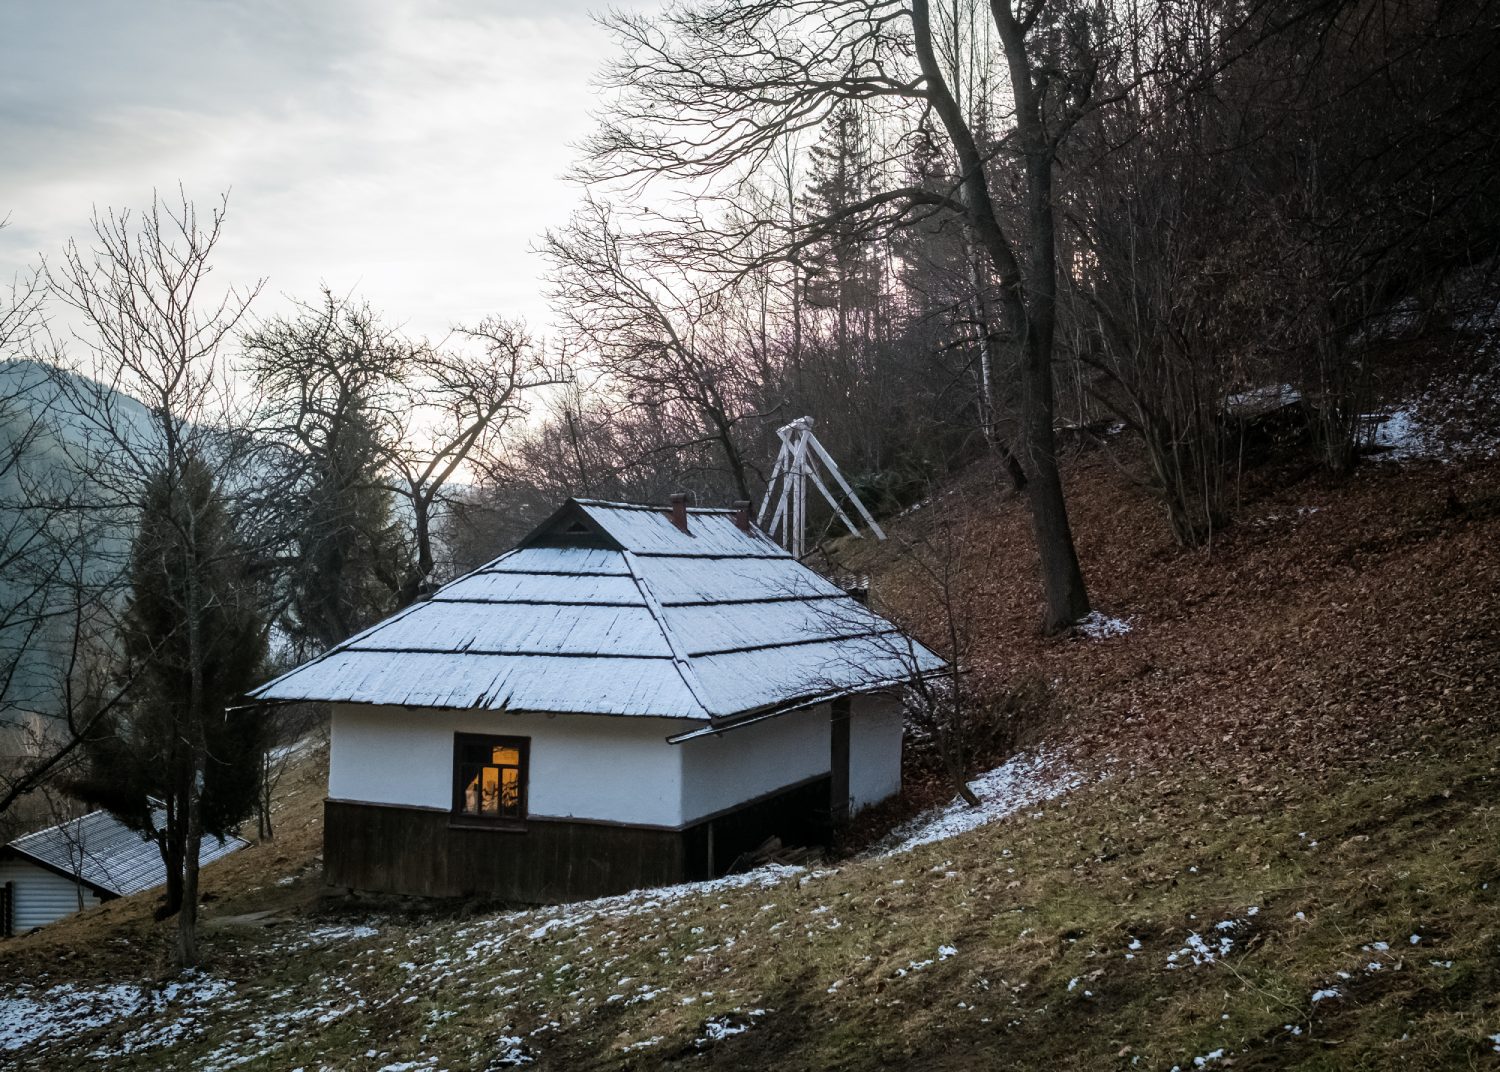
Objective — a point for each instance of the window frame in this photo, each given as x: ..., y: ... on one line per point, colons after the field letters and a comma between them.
x: 458, y: 816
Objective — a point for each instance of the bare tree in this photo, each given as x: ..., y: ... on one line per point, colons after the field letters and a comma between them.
x: 56, y: 577
x: 152, y: 404
x: 460, y: 401
x: 709, y: 90
x: 332, y: 383
x: 660, y: 333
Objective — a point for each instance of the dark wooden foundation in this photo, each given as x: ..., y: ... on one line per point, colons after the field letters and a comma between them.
x: 423, y: 852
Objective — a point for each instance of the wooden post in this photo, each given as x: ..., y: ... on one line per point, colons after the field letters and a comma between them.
x: 838, y: 759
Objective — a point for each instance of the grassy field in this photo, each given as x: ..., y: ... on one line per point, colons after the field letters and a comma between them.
x: 1120, y: 925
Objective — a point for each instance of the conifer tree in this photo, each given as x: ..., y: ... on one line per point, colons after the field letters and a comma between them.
x: 176, y: 764
x: 842, y: 272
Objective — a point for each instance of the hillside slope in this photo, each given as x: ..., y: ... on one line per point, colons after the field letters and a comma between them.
x: 1279, y: 850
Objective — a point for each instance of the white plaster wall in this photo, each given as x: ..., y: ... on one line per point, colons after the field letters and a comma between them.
x: 722, y: 770
x: 41, y: 896
x: 875, y: 730
x: 582, y: 766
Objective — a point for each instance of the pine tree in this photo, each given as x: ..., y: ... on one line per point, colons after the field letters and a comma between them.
x: 348, y: 554
x: 177, y: 765
x: 842, y: 271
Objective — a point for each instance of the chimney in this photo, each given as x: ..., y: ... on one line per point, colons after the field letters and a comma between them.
x: 742, y: 514
x: 678, y: 510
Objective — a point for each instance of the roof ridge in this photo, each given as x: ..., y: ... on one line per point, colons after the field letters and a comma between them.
x: 654, y: 507
x: 680, y: 658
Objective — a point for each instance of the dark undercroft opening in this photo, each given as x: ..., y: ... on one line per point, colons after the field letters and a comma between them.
x: 799, y: 817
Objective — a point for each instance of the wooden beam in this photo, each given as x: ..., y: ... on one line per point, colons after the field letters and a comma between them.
x: 838, y: 760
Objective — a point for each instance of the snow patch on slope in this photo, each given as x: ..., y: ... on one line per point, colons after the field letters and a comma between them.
x: 29, y: 1015
x: 1020, y: 782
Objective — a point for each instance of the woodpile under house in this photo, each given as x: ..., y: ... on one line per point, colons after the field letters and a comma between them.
x: 634, y: 696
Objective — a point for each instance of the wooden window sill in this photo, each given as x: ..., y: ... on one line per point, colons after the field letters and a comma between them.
x: 473, y: 822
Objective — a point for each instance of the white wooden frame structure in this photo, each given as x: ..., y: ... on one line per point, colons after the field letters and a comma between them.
x: 795, y: 466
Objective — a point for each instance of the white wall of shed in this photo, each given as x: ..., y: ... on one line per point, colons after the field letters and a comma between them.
x: 723, y: 770
x: 876, y: 726
x: 618, y: 769
x: 41, y: 896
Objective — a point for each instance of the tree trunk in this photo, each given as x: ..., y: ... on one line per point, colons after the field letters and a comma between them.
x: 1029, y: 303
x: 187, y: 916
x: 411, y: 590
x: 263, y: 825
x: 1067, y: 599
x: 169, y: 843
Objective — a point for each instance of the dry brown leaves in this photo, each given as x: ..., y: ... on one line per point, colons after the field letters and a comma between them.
x: 1334, y: 623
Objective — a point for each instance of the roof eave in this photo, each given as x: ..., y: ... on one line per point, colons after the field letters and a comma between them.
x: 103, y: 892
x: 725, y: 723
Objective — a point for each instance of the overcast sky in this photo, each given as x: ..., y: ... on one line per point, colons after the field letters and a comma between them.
x: 410, y: 151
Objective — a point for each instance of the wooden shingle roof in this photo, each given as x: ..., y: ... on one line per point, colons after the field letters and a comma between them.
x: 611, y: 609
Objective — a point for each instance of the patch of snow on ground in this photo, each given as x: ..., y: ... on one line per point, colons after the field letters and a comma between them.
x: 285, y: 751
x: 1325, y: 995
x: 1451, y: 420
x: 341, y: 934
x: 644, y: 1044
x: 29, y: 1016
x: 719, y: 1028
x: 1020, y: 782
x: 189, y: 1001
x: 541, y: 923
x: 1400, y: 437
x: 1199, y: 952
x: 513, y: 1052
x: 1099, y: 626
x: 327, y: 935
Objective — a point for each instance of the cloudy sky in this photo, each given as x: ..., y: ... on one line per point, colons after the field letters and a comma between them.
x: 408, y: 151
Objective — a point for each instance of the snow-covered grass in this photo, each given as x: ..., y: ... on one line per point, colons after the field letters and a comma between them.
x: 31, y: 1015
x: 1041, y: 937
x: 1401, y: 437
x: 1021, y: 782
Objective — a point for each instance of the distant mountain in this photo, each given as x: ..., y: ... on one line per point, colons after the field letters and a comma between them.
x: 48, y: 448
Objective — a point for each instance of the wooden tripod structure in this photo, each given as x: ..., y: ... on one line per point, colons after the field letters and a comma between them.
x: 796, y: 465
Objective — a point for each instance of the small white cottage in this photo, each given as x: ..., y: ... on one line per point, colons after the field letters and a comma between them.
x: 634, y: 696
x: 75, y: 865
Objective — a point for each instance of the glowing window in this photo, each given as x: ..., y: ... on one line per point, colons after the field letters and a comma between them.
x: 489, y: 777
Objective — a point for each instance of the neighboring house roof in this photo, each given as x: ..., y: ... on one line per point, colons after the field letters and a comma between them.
x: 106, y: 855
x: 611, y: 609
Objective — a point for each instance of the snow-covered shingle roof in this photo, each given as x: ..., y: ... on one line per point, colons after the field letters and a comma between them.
x: 611, y: 609
x: 107, y: 855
